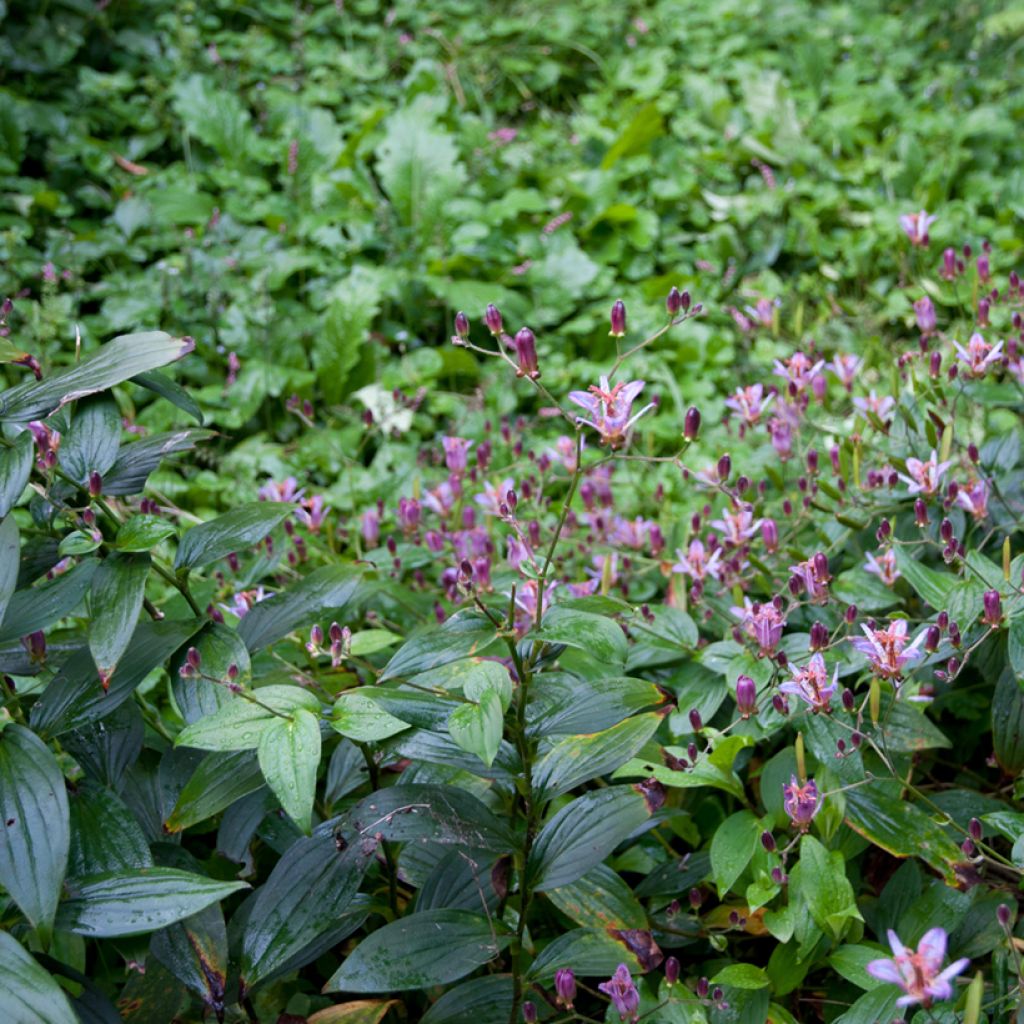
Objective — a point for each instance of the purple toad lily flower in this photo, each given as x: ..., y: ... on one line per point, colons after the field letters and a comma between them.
x: 925, y: 477
x: 846, y: 367
x: 884, y: 566
x: 609, y: 408
x: 623, y: 994
x: 916, y: 226
x: 455, y: 452
x: 979, y: 355
x: 887, y: 650
x: 974, y: 499
x: 815, y: 577
x: 881, y: 407
x: 737, y: 526
x: 924, y: 309
x: 811, y: 684
x: 917, y: 971
x: 763, y: 622
x: 801, y: 803
x: 696, y: 563
x: 750, y: 403
x: 798, y: 370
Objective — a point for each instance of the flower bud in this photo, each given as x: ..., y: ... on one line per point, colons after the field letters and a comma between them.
x: 724, y: 468
x: 932, y: 637
x: 492, y: 318
x: 691, y: 424
x: 193, y: 658
x: 993, y: 606
x: 691, y: 751
x: 768, y: 842
x: 1003, y: 914
x: 974, y: 827
x: 618, y: 319
x: 461, y: 325
x: 529, y: 1012
x: 946, y: 530
x: 819, y: 636
x: 526, y: 352
x: 973, y: 454
x: 316, y: 636
x: 942, y: 620
x: 770, y: 534
x: 95, y: 484
x: 935, y: 364
x: 746, y: 696
x: 685, y: 298
x: 696, y: 899
x: 920, y: 513
x: 848, y: 699
x: 672, y: 970
x: 565, y: 987
x: 821, y: 566
x: 695, y: 720
x: 983, y: 310
x: 674, y: 301
x: 967, y: 846
x: 851, y: 614
x: 812, y: 461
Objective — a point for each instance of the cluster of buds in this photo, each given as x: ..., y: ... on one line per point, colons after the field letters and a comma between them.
x: 340, y: 643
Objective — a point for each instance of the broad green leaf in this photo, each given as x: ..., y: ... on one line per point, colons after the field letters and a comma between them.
x: 143, y: 533
x: 15, y: 469
x: 715, y: 771
x: 1008, y: 723
x: 864, y: 589
x: 732, y: 847
x: 433, y: 947
x: 877, y: 1005
x: 74, y: 697
x: 9, y: 561
x: 601, y: 637
x: 241, y: 528
x: 745, y: 976
x: 92, y: 442
x: 219, y: 648
x: 577, y: 759
x: 219, y: 780
x: 105, y: 836
x: 162, y: 385
x: 905, y: 728
x: 671, y: 629
x: 289, y: 755
x: 135, y: 902
x: 590, y: 952
x: 239, y: 724
x: 473, y: 1001
x: 28, y: 993
x: 462, y: 636
x: 40, y: 606
x: 564, y: 704
x: 117, y: 361
x: 118, y: 587
x: 372, y: 641
x: 825, y: 887
x: 933, y: 586
x: 35, y: 829
x: 600, y: 899
x: 359, y: 717
x: 78, y: 542
x: 137, y: 460
x: 586, y: 831
x: 850, y: 961
x: 478, y: 727
x: 359, y: 1011
x: 1015, y: 647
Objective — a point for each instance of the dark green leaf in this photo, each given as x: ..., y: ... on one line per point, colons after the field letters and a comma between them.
x: 590, y: 952
x: 289, y: 755
x: 92, y: 442
x: 143, y: 532
x: 434, y: 947
x: 162, y: 385
x: 241, y: 528
x: 478, y: 728
x: 9, y: 561
x: 28, y: 993
x: 220, y: 780
x: 219, y: 648
x: 732, y: 847
x: 15, y: 469
x: 117, y: 361
x: 825, y: 887
x: 137, y: 460
x: 1008, y: 723
x: 118, y: 587
x: 104, y: 834
x: 602, y: 638
x: 195, y: 951
x: 600, y: 899
x: 41, y: 606
x: 138, y: 901
x: 473, y: 1002
x: 462, y: 636
x: 933, y: 586
x: 34, y: 825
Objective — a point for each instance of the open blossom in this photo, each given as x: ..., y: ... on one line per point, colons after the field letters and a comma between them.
x: 763, y: 622
x: 440, y: 499
x: 750, y: 403
x: 979, y: 355
x: 623, y: 994
x: 526, y: 604
x: 631, y: 533
x: 696, y: 563
x: 812, y: 685
x: 493, y: 497
x: 887, y: 649
x: 884, y: 566
x: 801, y: 803
x: 798, y: 370
x: 881, y: 407
x: 916, y: 226
x: 846, y: 367
x: 737, y: 526
x: 287, y: 490
x: 565, y: 452
x: 917, y: 972
x: 311, y: 512
x: 925, y: 477
x: 455, y: 452
x: 974, y: 499
x: 243, y: 600
x: 814, y: 575
x: 610, y: 408
x: 782, y: 437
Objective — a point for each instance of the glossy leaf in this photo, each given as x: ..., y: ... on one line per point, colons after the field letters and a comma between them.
x: 1008, y: 723
x: 28, y: 993
x: 139, y: 901
x: 359, y: 717
x: 162, y: 385
x: 289, y: 754
x: 117, y: 361
x: 9, y: 561
x: 434, y: 947
x: 92, y: 442
x: 34, y: 825
x: 461, y: 636
x: 143, y: 533
x: 602, y: 638
x: 219, y: 780
x: 732, y: 847
x: 473, y: 1001
x: 237, y: 530
x: 360, y: 1011
x: 105, y: 836
x: 118, y: 587
x: 600, y: 899
x: 589, y: 952
x: 15, y: 469
x: 40, y: 606
x: 825, y: 887
x: 478, y: 727
x: 135, y: 461
x: 219, y: 648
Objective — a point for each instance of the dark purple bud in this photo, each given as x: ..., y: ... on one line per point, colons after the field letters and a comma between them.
x: 702, y: 988
x: 884, y: 529
x: 672, y: 970
x: 974, y: 827
x: 935, y: 364
x: 942, y: 620
x: 946, y: 530
x: 932, y: 637
x: 461, y: 325
x: 781, y: 659
x: 973, y: 454
x: 819, y: 636
x: 565, y: 987
x: 993, y: 605
x: 696, y: 899
x: 953, y: 490
x: 526, y: 352
x: 691, y: 424
x: 742, y: 484
x: 724, y: 468
x: 983, y: 310
x: 193, y: 658
x: 717, y: 995
x: 1003, y: 914
x: 691, y: 751
x: 821, y: 565
x: 335, y: 632
x: 618, y: 319
x: 695, y: 720
x: 778, y: 877
x: 511, y: 500
x: 848, y: 700
x: 529, y: 1012
x: 796, y: 585
x: 493, y: 319
x: 768, y: 842
x: 855, y: 739
x: 968, y: 847
x: 812, y: 461
x: 780, y: 705
x: 920, y: 513
x: 746, y: 696
x: 674, y: 301
x: 952, y: 667
x: 685, y: 299
x: 95, y: 484
x: 316, y: 636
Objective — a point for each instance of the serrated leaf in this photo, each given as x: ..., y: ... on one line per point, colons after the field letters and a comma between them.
x: 117, y: 361
x: 118, y: 587
x: 35, y: 828
x: 433, y: 947
x: 289, y: 755
x: 28, y: 993
x: 478, y: 727
x: 135, y: 902
x: 241, y: 528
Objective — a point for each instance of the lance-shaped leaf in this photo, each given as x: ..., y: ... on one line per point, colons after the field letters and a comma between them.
x: 92, y: 442
x: 28, y: 993
x: 117, y: 361
x: 359, y: 1011
x: 586, y: 831
x: 118, y: 587
x: 289, y: 755
x: 219, y: 648
x: 15, y: 469
x: 135, y: 902
x: 162, y: 385
x: 478, y: 727
x: 220, y: 780
x: 195, y: 951
x: 38, y: 607
x: 825, y: 887
x: 461, y: 636
x: 10, y: 552
x: 35, y: 825
x: 105, y: 836
x: 236, y: 530
x: 602, y: 638
x: 433, y: 947
x: 137, y: 460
